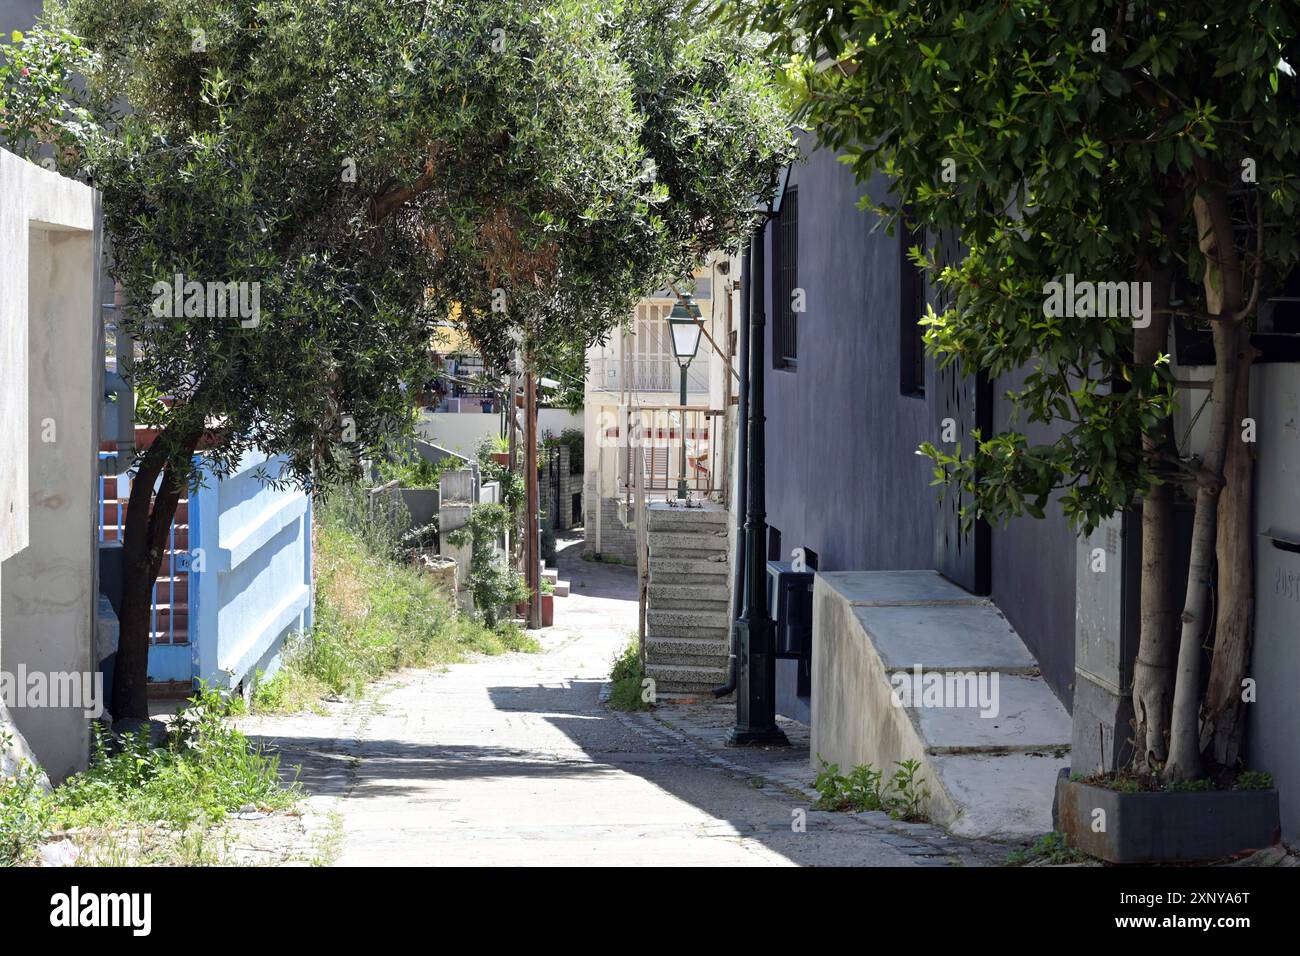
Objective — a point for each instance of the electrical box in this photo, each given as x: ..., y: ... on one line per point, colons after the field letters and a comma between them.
x: 789, y: 597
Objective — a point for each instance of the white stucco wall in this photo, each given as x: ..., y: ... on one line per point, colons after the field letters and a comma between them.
x: 51, y: 368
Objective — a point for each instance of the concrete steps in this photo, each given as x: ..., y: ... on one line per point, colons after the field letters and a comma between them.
x: 908, y: 666
x: 690, y: 596
x: 685, y: 678
x: 688, y: 616
x: 707, y: 651
x: 657, y: 618
x: 687, y: 544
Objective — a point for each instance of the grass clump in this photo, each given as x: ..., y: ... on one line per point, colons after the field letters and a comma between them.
x: 628, y: 688
x: 375, y: 614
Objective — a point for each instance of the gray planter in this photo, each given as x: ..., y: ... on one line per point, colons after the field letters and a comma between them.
x: 1165, y: 827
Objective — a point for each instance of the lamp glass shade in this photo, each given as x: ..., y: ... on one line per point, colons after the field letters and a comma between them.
x: 685, y: 329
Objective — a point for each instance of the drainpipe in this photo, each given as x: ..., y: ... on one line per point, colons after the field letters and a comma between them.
x: 742, y: 474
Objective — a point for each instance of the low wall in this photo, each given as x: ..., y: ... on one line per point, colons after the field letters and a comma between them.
x: 251, y: 581
x: 462, y: 432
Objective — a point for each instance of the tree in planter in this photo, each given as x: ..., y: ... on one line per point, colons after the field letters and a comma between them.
x: 1112, y: 142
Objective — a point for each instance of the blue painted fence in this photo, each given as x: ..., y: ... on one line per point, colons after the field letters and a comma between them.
x: 236, y: 578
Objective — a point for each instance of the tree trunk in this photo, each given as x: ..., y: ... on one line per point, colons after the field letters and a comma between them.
x: 1153, y: 670
x: 1223, y: 284
x: 532, y: 546
x: 144, y: 538
x: 1222, y: 723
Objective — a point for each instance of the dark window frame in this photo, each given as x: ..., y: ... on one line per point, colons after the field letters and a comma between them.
x: 785, y: 279
x: 911, y: 309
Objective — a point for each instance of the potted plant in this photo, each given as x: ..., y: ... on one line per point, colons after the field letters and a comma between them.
x: 1133, y: 818
x: 548, y: 602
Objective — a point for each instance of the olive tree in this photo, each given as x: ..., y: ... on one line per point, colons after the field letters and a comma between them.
x: 295, y: 191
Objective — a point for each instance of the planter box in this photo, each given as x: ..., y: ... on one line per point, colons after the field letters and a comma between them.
x: 502, y: 458
x: 1166, y: 827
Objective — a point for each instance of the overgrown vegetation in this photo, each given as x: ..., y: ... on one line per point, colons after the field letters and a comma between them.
x: 627, y: 679
x: 864, y: 789
x: 413, y: 471
x: 374, y: 614
x: 134, y: 797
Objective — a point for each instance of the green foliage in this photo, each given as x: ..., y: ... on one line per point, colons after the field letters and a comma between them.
x: 1254, y: 780
x: 492, y: 581
x: 207, y: 770
x: 626, y: 677
x: 412, y: 471
x: 865, y: 789
x: 25, y: 813
x: 374, y: 614
x: 513, y: 491
x: 550, y: 151
x: 1061, y: 158
x: 1051, y: 848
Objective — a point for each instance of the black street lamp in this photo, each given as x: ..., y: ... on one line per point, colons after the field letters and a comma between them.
x: 684, y: 324
x: 755, y: 629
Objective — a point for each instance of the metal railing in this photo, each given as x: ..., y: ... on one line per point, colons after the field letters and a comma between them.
x: 169, y: 618
x: 648, y: 375
x: 654, y: 439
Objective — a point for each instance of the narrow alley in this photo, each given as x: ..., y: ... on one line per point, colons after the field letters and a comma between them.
x: 516, y: 760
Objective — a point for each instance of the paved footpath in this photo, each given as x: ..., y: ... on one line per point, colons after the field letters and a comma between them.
x: 514, y: 760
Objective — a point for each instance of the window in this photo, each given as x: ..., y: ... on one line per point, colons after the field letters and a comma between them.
x: 785, y: 279
x: 911, y: 287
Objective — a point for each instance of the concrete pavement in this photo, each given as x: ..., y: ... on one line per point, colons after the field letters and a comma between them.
x: 514, y: 760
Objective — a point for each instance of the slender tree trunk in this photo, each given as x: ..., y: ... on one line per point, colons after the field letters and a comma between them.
x: 532, y: 546
x: 1223, y: 284
x: 1222, y: 723
x: 144, y: 538
x: 1153, y: 670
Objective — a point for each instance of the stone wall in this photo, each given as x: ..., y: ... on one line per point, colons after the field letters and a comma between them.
x: 616, y: 541
x: 570, y: 484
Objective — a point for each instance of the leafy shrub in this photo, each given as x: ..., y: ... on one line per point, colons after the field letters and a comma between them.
x: 24, y: 815
x: 864, y: 789
x: 492, y: 581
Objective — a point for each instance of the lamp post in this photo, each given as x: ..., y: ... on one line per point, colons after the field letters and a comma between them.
x: 755, y: 630
x: 684, y: 324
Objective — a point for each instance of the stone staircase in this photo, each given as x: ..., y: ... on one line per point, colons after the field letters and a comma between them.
x: 688, y: 615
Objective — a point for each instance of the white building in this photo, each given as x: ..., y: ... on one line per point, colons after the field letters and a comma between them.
x: 633, y: 386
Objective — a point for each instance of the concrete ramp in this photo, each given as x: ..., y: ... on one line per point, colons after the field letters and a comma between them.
x: 908, y: 666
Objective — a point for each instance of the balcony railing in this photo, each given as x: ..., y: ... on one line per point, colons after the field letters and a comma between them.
x: 648, y: 375
x: 654, y: 435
